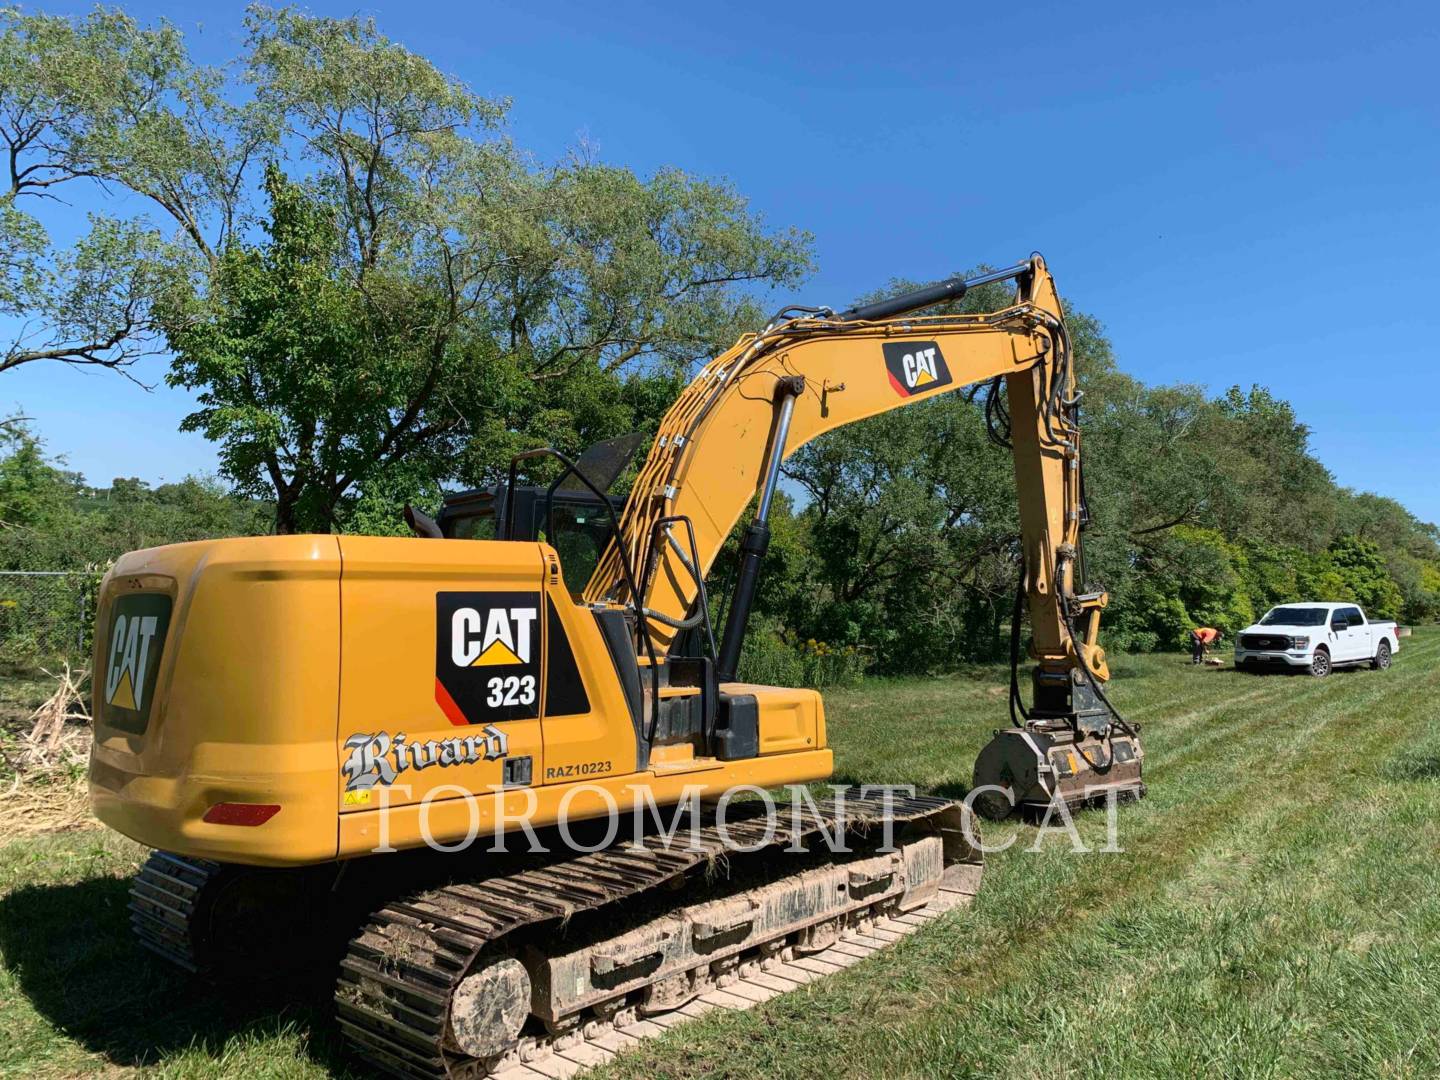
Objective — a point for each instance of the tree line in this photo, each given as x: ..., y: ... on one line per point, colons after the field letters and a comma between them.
x: 373, y: 295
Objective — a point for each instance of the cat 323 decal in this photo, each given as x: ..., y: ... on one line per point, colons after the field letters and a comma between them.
x: 487, y: 656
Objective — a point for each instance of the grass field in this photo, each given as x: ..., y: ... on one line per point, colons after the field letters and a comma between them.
x: 1275, y: 912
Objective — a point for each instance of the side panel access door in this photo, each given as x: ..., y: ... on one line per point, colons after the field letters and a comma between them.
x: 441, y: 662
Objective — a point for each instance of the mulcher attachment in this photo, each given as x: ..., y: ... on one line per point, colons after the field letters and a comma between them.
x: 1030, y: 768
x: 1070, y: 748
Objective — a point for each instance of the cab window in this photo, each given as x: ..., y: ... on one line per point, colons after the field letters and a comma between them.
x: 472, y: 525
x: 580, y: 533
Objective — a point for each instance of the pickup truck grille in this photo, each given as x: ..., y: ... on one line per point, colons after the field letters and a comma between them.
x: 1269, y: 642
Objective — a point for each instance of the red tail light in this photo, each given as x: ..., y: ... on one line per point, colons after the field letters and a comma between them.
x: 241, y: 813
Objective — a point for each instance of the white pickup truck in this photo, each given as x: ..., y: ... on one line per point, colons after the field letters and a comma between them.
x: 1318, y: 637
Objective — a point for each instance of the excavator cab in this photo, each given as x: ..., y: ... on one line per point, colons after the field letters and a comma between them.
x: 684, y: 715
x: 576, y: 524
x: 685, y: 719
x: 576, y: 518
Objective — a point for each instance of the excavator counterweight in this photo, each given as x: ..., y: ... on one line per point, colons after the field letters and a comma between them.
x: 424, y: 746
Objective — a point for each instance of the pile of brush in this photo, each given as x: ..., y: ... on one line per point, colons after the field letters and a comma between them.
x: 48, y: 789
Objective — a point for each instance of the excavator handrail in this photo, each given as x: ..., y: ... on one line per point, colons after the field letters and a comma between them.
x: 641, y: 622
x: 691, y: 564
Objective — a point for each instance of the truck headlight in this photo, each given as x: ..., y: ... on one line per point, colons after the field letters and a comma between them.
x: 1299, y: 643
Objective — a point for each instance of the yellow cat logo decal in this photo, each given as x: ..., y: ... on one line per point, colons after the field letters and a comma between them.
x: 132, y: 657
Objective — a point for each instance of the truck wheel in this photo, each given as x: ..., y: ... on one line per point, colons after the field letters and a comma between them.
x: 1382, y: 657
x: 1320, y: 663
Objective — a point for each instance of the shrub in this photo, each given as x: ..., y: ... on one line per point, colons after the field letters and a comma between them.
x: 775, y: 656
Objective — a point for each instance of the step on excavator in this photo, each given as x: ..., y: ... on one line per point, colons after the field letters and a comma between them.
x: 339, y: 736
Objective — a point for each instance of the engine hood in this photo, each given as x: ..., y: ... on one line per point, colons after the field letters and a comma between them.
x: 1285, y: 630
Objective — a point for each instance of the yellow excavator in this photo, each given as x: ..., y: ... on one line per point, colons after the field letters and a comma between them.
x: 299, y: 725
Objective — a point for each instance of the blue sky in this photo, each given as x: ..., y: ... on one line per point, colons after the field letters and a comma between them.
x: 1241, y: 192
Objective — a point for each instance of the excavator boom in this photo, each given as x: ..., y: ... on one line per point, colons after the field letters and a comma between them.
x: 721, y: 444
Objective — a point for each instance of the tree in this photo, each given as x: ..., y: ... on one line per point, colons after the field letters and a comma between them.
x: 413, y: 298
x: 323, y: 378
x: 52, y: 520
x: 1269, y: 483
x: 1366, y: 579
x: 33, y: 488
x: 104, y: 101
x: 914, y: 530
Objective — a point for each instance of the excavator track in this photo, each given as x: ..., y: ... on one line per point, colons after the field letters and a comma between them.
x: 216, y: 920
x: 498, y: 978
x: 165, y: 901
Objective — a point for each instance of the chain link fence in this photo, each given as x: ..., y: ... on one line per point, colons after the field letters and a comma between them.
x: 46, y: 614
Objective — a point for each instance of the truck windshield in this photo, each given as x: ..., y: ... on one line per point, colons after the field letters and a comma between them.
x: 1296, y: 616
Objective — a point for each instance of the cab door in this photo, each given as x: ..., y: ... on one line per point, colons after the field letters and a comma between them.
x: 1347, y: 624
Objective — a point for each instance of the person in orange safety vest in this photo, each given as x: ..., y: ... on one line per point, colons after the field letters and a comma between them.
x: 1201, y: 639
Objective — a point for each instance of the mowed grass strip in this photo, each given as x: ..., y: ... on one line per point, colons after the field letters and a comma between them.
x: 1273, y: 913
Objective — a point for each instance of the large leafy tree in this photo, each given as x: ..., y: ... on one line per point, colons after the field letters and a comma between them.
x: 303, y: 387
x: 103, y: 101
x: 409, y: 299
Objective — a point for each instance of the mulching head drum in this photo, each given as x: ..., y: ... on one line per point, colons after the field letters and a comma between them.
x: 1030, y: 767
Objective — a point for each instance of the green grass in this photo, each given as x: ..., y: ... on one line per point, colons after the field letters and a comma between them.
x: 1275, y: 912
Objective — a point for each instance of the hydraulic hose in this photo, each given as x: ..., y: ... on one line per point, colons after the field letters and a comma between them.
x: 1017, y: 703
x: 1068, y: 554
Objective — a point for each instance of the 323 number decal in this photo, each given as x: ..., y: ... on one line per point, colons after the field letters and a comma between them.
x: 510, y: 690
